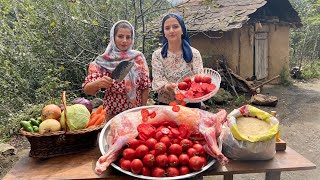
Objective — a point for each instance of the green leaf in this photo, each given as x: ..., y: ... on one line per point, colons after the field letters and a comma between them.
x: 52, y: 24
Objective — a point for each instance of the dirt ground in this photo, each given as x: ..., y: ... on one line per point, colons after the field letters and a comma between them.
x: 299, y: 114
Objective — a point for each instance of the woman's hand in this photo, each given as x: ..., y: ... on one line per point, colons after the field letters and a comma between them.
x: 104, y: 82
x: 170, y: 87
x: 93, y: 87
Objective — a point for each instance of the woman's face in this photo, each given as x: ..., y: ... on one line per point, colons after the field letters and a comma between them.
x: 123, y: 39
x: 172, y: 29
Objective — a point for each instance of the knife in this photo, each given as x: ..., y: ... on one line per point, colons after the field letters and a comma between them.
x: 122, y: 69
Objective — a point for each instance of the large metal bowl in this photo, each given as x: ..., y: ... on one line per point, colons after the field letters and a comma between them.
x: 104, y: 148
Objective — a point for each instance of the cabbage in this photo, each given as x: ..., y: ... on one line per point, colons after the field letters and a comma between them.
x: 83, y: 101
x: 78, y: 117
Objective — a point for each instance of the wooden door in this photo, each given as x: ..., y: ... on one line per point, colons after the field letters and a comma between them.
x: 261, y: 55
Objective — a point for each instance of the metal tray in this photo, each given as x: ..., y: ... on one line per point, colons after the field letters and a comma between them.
x: 103, y: 146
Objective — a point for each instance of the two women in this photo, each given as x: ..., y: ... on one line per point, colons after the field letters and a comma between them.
x: 169, y: 63
x: 133, y: 91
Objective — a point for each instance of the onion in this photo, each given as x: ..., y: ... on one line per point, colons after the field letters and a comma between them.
x: 84, y: 102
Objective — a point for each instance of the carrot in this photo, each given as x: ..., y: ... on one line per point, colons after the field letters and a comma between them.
x: 93, y: 114
x: 100, y: 120
x: 93, y: 120
x: 100, y: 108
x: 103, y: 112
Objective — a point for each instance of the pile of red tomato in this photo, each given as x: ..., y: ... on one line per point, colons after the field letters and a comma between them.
x: 198, y: 87
x: 163, y: 150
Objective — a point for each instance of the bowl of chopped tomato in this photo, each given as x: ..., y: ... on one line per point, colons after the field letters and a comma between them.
x: 198, y: 85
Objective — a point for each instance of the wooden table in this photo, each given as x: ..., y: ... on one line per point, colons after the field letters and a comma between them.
x: 81, y: 166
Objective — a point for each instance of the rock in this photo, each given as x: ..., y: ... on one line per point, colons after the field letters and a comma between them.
x: 96, y: 102
x: 7, y: 149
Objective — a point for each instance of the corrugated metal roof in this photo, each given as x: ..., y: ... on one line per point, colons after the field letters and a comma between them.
x: 214, y: 15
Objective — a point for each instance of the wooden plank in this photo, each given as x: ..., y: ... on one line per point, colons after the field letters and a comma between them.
x: 81, y: 166
x: 74, y: 166
x: 288, y: 160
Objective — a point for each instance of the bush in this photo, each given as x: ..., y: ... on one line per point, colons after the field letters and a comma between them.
x: 285, y: 77
x: 311, y: 71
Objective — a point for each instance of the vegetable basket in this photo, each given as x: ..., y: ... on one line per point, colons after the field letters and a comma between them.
x: 215, y: 79
x: 62, y: 142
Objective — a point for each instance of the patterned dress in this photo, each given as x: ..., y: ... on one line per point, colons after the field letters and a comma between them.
x: 116, y: 99
x: 170, y: 69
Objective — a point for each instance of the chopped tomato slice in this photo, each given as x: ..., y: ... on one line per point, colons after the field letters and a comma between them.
x: 175, y: 108
x: 180, y: 96
x: 144, y: 112
x: 143, y: 137
x: 165, y: 130
x: 184, y: 131
x: 144, y: 119
x: 183, y: 103
x: 173, y: 103
x: 211, y: 87
x: 169, y: 123
x: 175, y: 132
x: 146, y: 129
x: 153, y: 114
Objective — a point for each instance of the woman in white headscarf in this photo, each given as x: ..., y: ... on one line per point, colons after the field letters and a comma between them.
x: 131, y: 92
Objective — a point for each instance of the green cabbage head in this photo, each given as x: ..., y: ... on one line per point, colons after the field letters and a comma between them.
x: 78, y: 117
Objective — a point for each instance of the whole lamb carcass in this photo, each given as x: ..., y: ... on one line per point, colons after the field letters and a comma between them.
x: 124, y: 127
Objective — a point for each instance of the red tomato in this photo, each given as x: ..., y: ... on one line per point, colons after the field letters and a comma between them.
x: 166, y: 141
x: 183, y: 85
x: 150, y: 143
x: 187, y: 80
x: 126, y: 165
x: 192, y: 152
x: 196, y: 163
x: 206, y: 79
x: 199, y: 148
x: 162, y: 160
x: 158, y: 172
x: 120, y: 161
x: 183, y: 159
x: 205, y: 162
x: 173, y: 160
x: 198, y: 79
x: 148, y: 160
x: 158, y: 135
x: 175, y: 149
x: 133, y: 143
x: 160, y: 148
x: 136, y: 166
x: 184, y: 170
x: 141, y: 151
x: 146, y: 171
x: 172, y: 171
x: 186, y: 144
x: 176, y: 141
x: 153, y: 152
x: 129, y: 154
